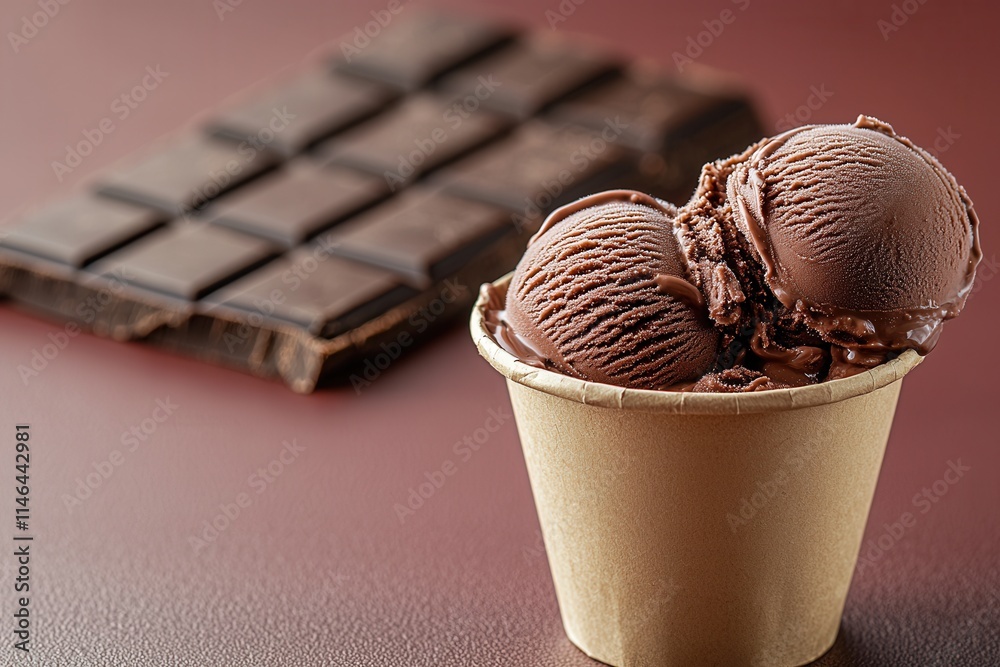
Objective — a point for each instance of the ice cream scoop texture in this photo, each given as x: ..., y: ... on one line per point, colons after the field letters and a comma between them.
x: 603, y: 294
x: 813, y: 255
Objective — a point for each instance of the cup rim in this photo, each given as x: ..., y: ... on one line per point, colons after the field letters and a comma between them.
x: 692, y: 403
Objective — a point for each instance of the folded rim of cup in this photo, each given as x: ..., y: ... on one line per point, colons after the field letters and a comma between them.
x: 692, y: 403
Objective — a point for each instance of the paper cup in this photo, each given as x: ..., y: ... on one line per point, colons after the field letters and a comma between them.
x: 700, y: 529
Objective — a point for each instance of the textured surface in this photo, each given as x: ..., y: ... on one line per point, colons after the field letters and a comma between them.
x: 587, y: 295
x: 864, y: 237
x: 857, y: 219
x: 824, y: 248
x: 319, y: 571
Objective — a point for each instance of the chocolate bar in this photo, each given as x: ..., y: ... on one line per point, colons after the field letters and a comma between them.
x: 298, y: 201
x: 537, y: 167
x: 323, y: 103
x: 360, y: 201
x: 419, y: 48
x: 186, y: 175
x: 531, y: 74
x: 419, y: 135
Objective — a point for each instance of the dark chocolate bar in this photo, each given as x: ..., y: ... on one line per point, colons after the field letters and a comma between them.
x: 538, y: 167
x: 299, y: 112
x: 675, y: 124
x: 317, y: 291
x: 413, y: 138
x: 417, y: 48
x: 530, y: 74
x: 181, y: 177
x: 358, y: 204
x: 423, y: 235
x: 81, y: 229
x: 186, y: 260
x: 297, y: 201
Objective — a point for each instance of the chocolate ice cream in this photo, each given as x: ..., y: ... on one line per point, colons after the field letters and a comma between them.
x: 602, y: 295
x: 813, y: 255
x: 863, y: 235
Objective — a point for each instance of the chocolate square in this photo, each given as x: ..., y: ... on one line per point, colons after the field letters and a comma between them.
x: 537, y: 167
x: 316, y: 291
x: 421, y: 235
x: 81, y: 229
x: 186, y: 173
x: 528, y: 75
x: 186, y: 260
x: 656, y: 110
x: 409, y: 51
x: 422, y: 134
x: 297, y: 201
x: 305, y: 109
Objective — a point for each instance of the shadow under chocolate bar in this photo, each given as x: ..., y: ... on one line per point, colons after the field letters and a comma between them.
x: 354, y: 206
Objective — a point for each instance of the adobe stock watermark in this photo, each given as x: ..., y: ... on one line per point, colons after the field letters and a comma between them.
x: 374, y: 365
x: 985, y: 272
x: 923, y: 502
x: 818, y: 96
x: 641, y: 615
x: 86, y: 313
x: 535, y: 551
x: 464, y: 450
x: 945, y: 138
x: 335, y: 578
x: 329, y: 582
x: 131, y: 439
x: 258, y: 482
x: 291, y: 279
x: 898, y: 17
x: 767, y: 489
x: 223, y: 7
x: 121, y: 108
x: 698, y: 43
x: 562, y: 12
x: 32, y: 24
x: 247, y: 150
x: 426, y: 146
x: 660, y: 597
x: 362, y: 35
x: 580, y: 160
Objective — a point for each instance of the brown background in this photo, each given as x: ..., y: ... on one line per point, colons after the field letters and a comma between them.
x: 319, y: 569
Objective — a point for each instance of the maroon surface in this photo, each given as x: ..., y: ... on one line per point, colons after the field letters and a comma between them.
x: 319, y: 569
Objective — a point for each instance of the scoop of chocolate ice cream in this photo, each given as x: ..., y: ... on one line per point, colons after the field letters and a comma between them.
x: 602, y: 294
x: 863, y: 235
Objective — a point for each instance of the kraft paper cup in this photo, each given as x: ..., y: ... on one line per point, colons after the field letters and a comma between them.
x: 700, y: 529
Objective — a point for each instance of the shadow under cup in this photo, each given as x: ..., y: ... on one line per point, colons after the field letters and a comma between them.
x: 689, y: 528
